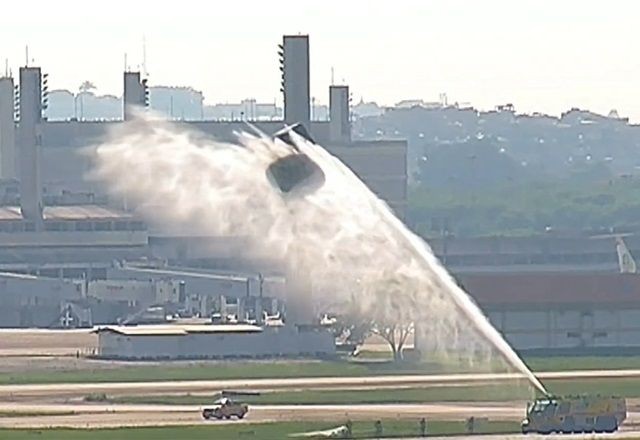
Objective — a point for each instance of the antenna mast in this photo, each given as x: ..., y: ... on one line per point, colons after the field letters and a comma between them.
x: 144, y: 56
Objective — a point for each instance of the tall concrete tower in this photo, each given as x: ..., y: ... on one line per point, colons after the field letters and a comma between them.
x: 294, y: 65
x: 7, y: 130
x: 339, y: 121
x: 299, y: 293
x: 29, y: 140
x: 135, y: 94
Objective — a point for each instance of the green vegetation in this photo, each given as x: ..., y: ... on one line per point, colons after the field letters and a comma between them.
x: 569, y: 363
x: 617, y: 387
x: 374, y: 396
x: 264, y: 431
x: 536, y: 363
x: 197, y: 371
x: 35, y: 413
x: 527, y: 209
x: 460, y: 393
x: 283, y: 369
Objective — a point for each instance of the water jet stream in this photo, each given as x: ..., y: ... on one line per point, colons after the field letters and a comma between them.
x: 462, y: 300
x: 346, y: 238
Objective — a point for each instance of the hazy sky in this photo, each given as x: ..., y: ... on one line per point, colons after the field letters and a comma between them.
x: 541, y: 55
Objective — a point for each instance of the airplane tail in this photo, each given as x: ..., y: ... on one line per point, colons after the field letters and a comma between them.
x: 626, y: 261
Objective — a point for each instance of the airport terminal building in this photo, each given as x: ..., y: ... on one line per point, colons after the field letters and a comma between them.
x: 561, y: 312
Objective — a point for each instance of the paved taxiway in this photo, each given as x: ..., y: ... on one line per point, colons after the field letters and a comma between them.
x: 61, y: 405
x: 99, y: 415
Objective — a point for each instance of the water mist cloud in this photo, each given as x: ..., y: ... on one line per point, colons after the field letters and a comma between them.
x: 346, y: 239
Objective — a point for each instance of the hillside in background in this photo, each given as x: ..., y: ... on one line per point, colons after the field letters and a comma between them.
x: 562, y: 206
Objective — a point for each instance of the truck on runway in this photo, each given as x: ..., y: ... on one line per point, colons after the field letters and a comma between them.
x: 574, y: 414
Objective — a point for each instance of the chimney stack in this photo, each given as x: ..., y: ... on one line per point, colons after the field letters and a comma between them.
x: 7, y: 129
x: 339, y: 112
x: 294, y: 65
x: 29, y: 140
x: 135, y: 96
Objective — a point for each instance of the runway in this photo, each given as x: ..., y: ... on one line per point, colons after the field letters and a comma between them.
x: 109, y: 416
x: 101, y: 416
x: 62, y: 405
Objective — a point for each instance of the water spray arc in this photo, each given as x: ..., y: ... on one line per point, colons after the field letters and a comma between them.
x: 297, y: 170
x: 300, y: 205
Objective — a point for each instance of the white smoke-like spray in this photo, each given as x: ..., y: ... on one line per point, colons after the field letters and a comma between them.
x: 342, y: 235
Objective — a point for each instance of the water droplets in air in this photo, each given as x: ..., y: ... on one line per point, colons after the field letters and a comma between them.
x: 344, y: 239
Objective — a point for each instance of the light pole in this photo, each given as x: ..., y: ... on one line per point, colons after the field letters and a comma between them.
x: 259, y: 306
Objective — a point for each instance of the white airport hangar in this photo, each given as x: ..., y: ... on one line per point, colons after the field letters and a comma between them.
x: 204, y: 341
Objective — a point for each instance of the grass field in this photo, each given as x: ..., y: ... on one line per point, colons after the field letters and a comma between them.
x: 536, y: 363
x: 567, y: 363
x: 34, y: 413
x: 328, y: 397
x: 196, y: 371
x: 485, y: 393
x: 283, y: 369
x: 266, y: 431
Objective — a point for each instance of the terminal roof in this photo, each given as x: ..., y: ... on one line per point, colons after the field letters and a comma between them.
x: 68, y: 213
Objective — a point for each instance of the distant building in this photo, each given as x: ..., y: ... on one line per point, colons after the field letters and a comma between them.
x: 8, y: 160
x: 75, y: 241
x: 29, y: 301
x: 367, y: 109
x: 563, y: 313
x: 382, y: 166
x: 410, y: 103
x: 29, y: 137
x: 58, y: 225
x: 84, y: 106
x: 212, y: 342
x: 294, y: 64
x: 182, y: 103
x: 339, y: 115
x: 319, y: 112
x: 381, y: 163
x: 90, y: 107
x: 62, y: 106
x: 544, y: 253
x: 248, y: 109
x: 134, y: 96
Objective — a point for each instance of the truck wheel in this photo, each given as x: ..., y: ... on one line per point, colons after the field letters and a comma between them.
x: 568, y: 426
x: 612, y: 426
x: 206, y: 414
x: 240, y: 416
x: 606, y: 424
